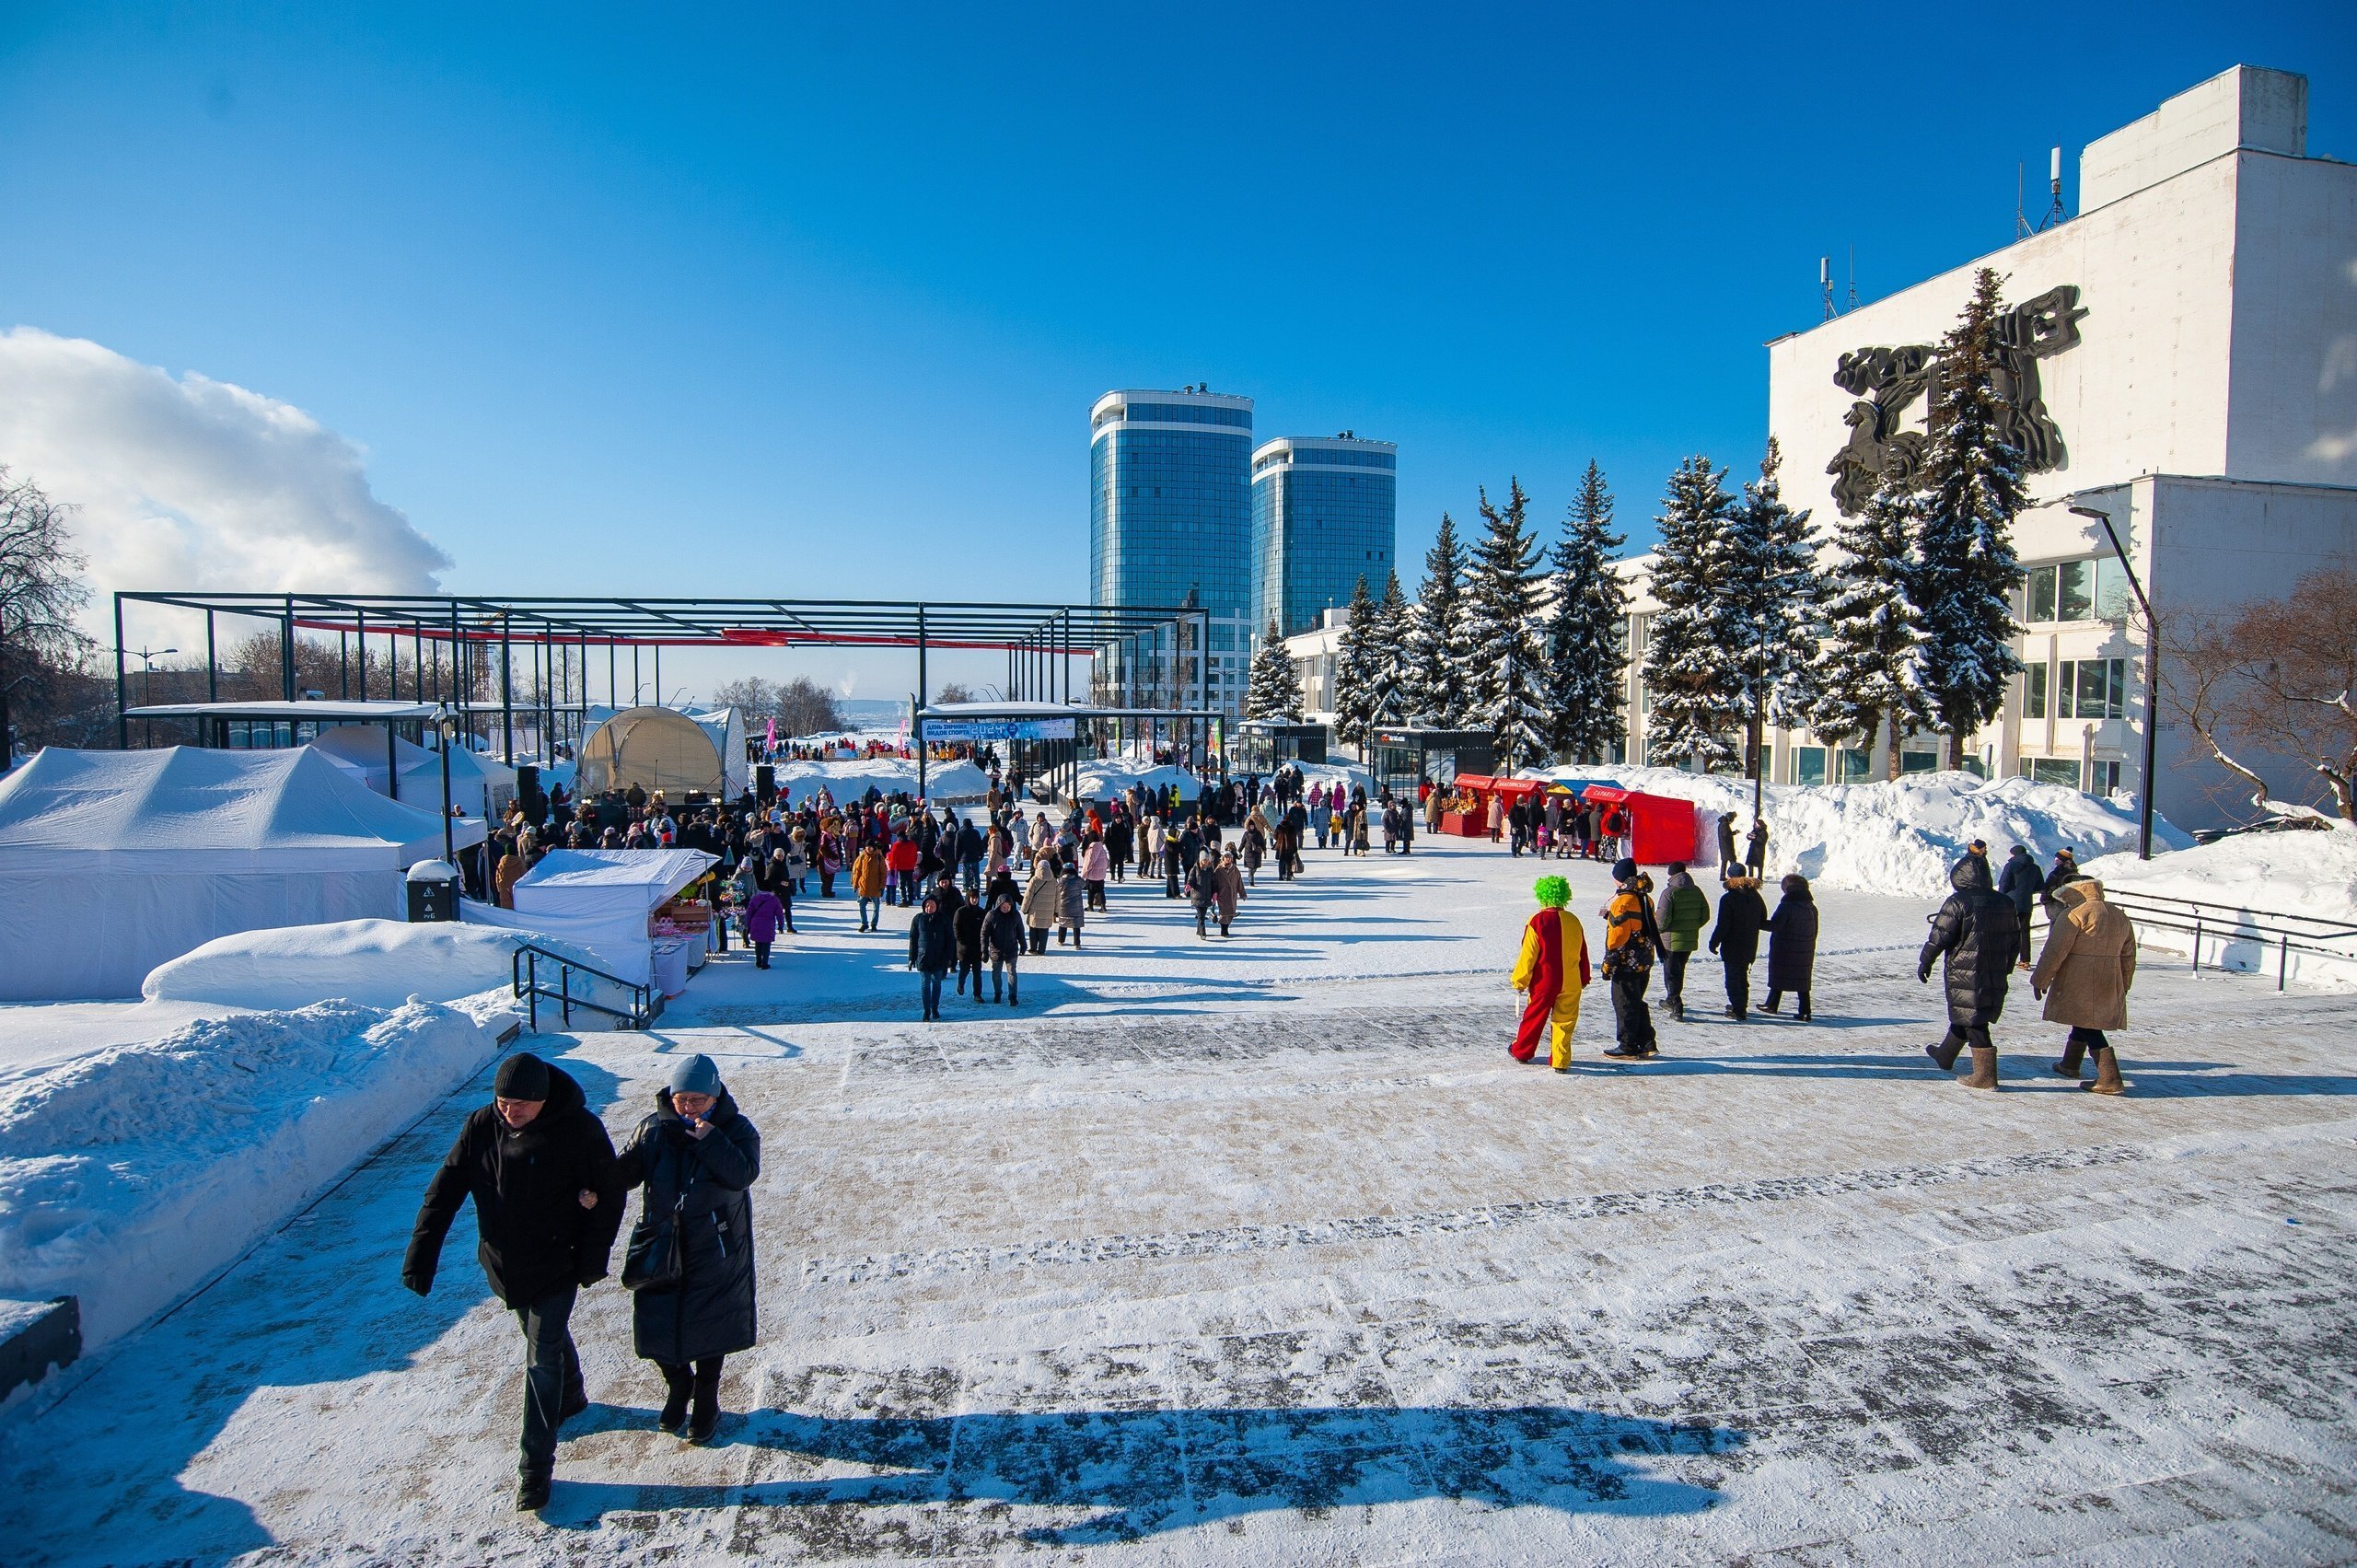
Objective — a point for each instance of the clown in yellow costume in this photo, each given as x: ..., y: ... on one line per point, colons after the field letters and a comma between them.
x: 1553, y: 948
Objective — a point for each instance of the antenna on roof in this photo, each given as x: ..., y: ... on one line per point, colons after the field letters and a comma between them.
x: 1824, y: 284
x: 2054, y: 214
x: 2021, y: 215
x: 1853, y: 276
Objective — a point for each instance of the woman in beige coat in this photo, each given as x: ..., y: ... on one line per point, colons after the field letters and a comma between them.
x: 2089, y: 962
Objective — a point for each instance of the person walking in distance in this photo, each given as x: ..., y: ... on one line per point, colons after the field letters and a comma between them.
x: 1726, y: 845
x: 1681, y: 913
x: 1755, y: 850
x: 1004, y: 939
x: 967, y: 922
x: 1227, y: 889
x: 1202, y: 890
x: 1977, y: 934
x: 1631, y: 942
x: 690, y: 1267
x: 1792, y: 946
x: 762, y: 915
x: 933, y: 951
x: 1735, y: 939
x: 548, y: 1200
x: 1554, y: 948
x: 2022, y: 882
x: 2084, y: 976
x: 1042, y: 899
x: 867, y: 876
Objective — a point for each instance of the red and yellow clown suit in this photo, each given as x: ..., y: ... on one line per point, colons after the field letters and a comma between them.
x: 1552, y: 945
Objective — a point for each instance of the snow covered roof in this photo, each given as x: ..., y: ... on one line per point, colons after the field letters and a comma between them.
x: 187, y: 808
x: 657, y: 873
x: 375, y: 710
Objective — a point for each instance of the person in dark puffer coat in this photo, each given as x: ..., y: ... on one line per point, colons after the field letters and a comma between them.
x: 548, y: 1200
x: 1791, y: 945
x: 1979, y: 935
x: 1735, y: 939
x: 695, y: 1155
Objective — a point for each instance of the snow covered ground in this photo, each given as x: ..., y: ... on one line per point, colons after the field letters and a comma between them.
x: 2250, y: 881
x: 1898, y: 837
x: 1264, y: 1252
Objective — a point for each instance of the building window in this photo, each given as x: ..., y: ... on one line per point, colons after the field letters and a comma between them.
x: 1919, y: 762
x: 2095, y: 589
x: 1808, y: 764
x: 2033, y: 681
x: 2062, y: 771
x: 2091, y: 689
x: 2103, y: 778
x: 1856, y: 767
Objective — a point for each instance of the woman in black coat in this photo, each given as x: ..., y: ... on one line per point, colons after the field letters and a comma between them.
x: 1735, y: 938
x: 696, y: 1156
x: 1791, y: 945
x: 1978, y: 934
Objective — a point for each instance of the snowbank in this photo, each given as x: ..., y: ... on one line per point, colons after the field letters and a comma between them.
x: 130, y: 1175
x: 944, y: 781
x: 2253, y: 875
x: 1898, y: 837
x: 376, y: 963
x: 1105, y: 779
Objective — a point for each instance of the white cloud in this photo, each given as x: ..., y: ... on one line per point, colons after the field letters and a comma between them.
x: 196, y: 483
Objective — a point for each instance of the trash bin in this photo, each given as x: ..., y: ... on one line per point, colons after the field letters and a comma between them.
x: 433, y: 891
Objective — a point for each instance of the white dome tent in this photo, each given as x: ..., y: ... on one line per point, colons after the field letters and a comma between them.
x: 663, y: 749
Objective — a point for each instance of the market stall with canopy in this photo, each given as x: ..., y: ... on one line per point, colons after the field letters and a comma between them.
x: 605, y: 899
x: 114, y: 862
x: 1660, y: 828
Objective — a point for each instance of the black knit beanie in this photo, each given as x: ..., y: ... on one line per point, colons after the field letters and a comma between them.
x: 523, y: 1076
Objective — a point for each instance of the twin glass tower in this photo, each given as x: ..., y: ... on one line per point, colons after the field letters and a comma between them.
x: 1184, y: 509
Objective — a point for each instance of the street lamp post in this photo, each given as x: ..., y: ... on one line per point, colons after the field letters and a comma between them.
x: 2151, y: 682
x: 147, y: 657
x: 445, y: 725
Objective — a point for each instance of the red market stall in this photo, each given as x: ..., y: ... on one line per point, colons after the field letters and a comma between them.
x: 1660, y: 828
x: 1474, y: 793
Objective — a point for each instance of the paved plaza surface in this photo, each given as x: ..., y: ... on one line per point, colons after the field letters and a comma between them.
x: 1305, y: 1270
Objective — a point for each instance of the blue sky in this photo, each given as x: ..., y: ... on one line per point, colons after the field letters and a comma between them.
x: 736, y: 299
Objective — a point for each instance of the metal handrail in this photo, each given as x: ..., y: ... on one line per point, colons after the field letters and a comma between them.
x: 526, y: 973
x: 2203, y: 919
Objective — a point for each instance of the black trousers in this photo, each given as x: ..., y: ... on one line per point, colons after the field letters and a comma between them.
x: 761, y: 955
x: 1962, y: 1035
x: 1673, y: 977
x: 970, y: 964
x: 2090, y: 1040
x: 1739, y: 987
x: 552, y: 1372
x: 1776, y: 997
x: 1039, y: 938
x: 1633, y: 1021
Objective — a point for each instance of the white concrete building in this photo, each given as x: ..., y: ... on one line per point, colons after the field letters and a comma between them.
x: 2187, y: 359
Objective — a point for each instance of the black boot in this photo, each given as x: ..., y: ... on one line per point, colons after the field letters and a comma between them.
x: 532, y: 1494
x: 1944, y: 1053
x: 675, y: 1406
x: 706, y: 1417
x: 2074, y: 1053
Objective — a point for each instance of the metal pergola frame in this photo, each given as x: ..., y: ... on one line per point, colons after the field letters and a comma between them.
x: 1039, y: 640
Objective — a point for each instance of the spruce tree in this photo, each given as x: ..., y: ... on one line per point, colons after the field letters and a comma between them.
x: 1509, y: 660
x: 1586, y: 651
x: 1699, y: 646
x: 1867, y: 667
x: 1395, y: 622
x: 1770, y: 601
x: 1357, y: 670
x: 1436, y: 693
x: 1274, y: 692
x: 1966, y: 571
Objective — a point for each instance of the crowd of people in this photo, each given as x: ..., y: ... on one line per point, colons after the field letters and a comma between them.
x: 1980, y: 936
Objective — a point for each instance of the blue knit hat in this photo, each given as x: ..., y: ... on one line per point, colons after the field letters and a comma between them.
x: 695, y: 1076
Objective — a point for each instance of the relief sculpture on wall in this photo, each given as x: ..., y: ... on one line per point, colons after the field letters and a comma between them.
x: 1887, y: 382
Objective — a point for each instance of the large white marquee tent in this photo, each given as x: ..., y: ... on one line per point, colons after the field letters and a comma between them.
x: 114, y: 862
x: 479, y: 785
x: 672, y: 749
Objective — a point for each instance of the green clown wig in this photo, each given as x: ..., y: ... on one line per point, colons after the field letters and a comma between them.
x: 1553, y: 892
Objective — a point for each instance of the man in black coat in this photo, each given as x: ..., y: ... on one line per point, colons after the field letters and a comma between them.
x: 1979, y: 934
x: 932, y: 950
x: 1003, y: 940
x: 2022, y: 881
x: 1735, y: 939
x: 541, y: 1169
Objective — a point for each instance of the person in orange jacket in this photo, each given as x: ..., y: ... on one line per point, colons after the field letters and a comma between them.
x: 1553, y: 948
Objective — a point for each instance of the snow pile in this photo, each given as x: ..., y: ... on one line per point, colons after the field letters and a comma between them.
x: 890, y: 775
x: 130, y: 1175
x: 1898, y: 837
x: 2311, y: 874
x: 376, y: 963
x: 1104, y: 780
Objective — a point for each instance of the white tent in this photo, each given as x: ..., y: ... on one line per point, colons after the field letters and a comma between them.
x: 600, y: 898
x: 114, y: 862
x: 647, y: 746
x: 479, y: 784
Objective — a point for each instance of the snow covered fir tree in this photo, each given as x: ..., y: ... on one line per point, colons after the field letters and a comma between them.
x: 1965, y: 572
x: 1395, y: 619
x: 1586, y: 633
x: 1867, y: 669
x: 1700, y: 637
x: 1507, y: 674
x: 1770, y: 605
x: 1274, y: 688
x: 1436, y: 653
x: 1359, y: 672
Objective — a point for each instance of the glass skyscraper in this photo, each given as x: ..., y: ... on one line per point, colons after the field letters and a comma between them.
x: 1169, y: 522
x: 1325, y: 512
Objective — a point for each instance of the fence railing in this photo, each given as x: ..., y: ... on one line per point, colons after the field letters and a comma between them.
x: 530, y: 958
x: 2222, y: 925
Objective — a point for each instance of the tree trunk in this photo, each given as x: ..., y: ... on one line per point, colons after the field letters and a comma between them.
x: 1955, y: 750
x: 1890, y: 754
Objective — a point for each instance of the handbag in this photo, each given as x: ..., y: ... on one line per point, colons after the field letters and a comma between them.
x: 654, y: 1261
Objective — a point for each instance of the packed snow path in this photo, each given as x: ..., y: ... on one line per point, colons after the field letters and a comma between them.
x: 1322, y: 1276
